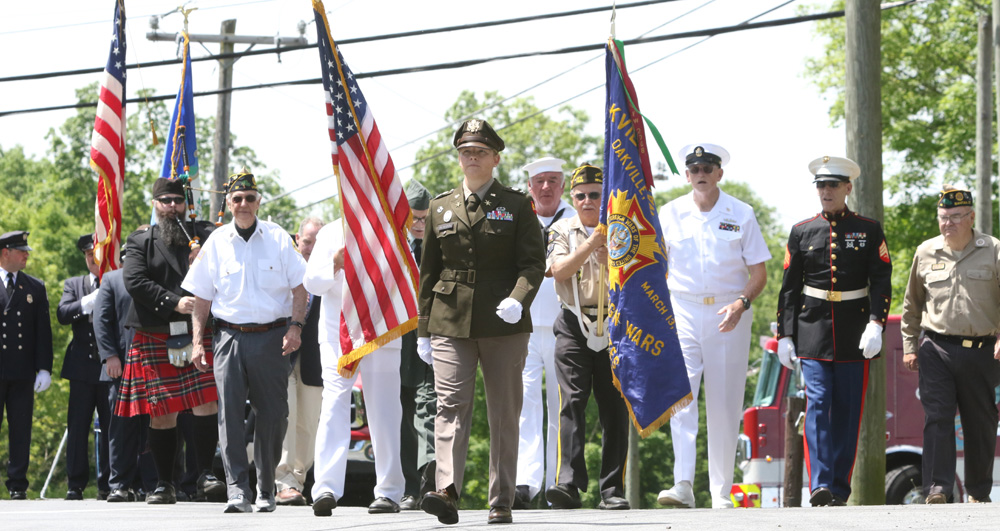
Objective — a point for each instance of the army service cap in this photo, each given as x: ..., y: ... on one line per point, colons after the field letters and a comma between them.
x: 17, y: 239
x: 704, y: 154
x: 955, y: 198
x: 85, y: 243
x: 829, y: 168
x: 586, y: 174
x: 478, y: 133
x: 241, y: 181
x: 544, y: 165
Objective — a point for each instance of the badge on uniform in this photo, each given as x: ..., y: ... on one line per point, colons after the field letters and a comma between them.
x: 500, y: 214
x: 937, y: 267
x: 445, y: 226
x: 856, y: 240
x: 732, y: 227
x: 447, y: 216
x: 30, y: 299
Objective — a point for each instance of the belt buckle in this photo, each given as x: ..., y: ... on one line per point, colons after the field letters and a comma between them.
x: 470, y: 276
x: 833, y: 296
x: 967, y: 343
x: 709, y: 300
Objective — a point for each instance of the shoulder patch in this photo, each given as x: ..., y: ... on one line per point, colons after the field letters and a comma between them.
x: 444, y: 194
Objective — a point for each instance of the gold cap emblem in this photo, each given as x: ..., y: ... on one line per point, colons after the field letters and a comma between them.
x: 699, y: 151
x: 826, y: 159
x: 474, y: 126
x: 959, y: 196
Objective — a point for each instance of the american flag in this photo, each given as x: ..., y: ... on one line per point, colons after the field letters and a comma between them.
x: 107, y: 151
x: 379, y: 302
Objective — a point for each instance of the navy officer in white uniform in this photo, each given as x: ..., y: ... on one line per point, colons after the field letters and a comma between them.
x: 715, y: 258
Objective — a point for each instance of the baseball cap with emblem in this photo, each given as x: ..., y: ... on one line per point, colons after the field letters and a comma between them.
x: 85, y: 243
x: 951, y: 198
x: 478, y: 133
x: 241, y: 181
x: 829, y: 168
x: 544, y: 165
x: 704, y: 154
x: 586, y: 174
x: 17, y: 239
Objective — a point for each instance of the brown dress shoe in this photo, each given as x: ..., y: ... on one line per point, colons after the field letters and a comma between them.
x: 440, y: 504
x: 290, y: 496
x: 500, y: 515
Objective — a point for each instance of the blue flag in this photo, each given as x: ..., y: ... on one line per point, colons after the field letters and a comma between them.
x: 183, y: 116
x: 646, y: 358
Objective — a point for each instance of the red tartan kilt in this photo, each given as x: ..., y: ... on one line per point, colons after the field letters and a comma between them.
x: 152, y: 386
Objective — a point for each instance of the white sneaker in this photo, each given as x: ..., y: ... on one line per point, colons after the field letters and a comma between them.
x: 680, y: 495
x: 265, y: 502
x: 722, y: 502
x: 238, y: 504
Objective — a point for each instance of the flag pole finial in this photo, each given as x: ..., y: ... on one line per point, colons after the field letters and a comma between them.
x: 614, y: 5
x: 186, y: 12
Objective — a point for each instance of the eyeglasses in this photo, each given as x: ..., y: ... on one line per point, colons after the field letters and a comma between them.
x: 419, y: 220
x: 955, y: 219
x: 695, y: 169
x: 593, y: 196
x: 249, y: 199
x: 175, y: 199
x: 827, y: 184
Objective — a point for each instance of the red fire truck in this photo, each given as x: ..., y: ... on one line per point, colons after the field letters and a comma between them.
x: 762, y: 442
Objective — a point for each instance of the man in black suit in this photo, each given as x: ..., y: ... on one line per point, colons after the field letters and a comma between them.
x: 126, y: 435
x: 82, y: 367
x: 305, y: 392
x: 25, y: 353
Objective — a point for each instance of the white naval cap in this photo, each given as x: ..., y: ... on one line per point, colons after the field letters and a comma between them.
x: 542, y: 165
x: 704, y: 154
x: 828, y: 168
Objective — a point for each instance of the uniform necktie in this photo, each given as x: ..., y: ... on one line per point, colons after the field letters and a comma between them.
x: 10, y: 284
x: 472, y: 203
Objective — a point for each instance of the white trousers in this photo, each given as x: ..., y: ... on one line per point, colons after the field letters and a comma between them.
x: 298, y: 447
x: 380, y: 379
x: 535, y: 459
x: 722, y: 358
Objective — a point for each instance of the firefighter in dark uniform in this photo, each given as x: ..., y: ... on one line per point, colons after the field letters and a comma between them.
x: 483, y: 260
x: 832, y: 308
x: 25, y: 353
x: 952, y: 298
x: 82, y: 367
x: 578, y: 261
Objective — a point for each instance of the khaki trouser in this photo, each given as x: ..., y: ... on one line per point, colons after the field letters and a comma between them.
x: 455, y: 363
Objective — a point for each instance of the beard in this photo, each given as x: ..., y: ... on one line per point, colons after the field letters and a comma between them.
x: 171, y: 231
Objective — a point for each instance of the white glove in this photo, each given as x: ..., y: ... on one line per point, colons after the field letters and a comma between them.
x: 42, y: 381
x: 786, y: 352
x: 510, y: 310
x: 424, y: 350
x: 871, y: 340
x: 87, y: 302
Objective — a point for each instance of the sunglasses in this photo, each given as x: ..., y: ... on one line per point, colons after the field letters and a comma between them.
x: 695, y: 169
x: 177, y: 200
x: 827, y: 184
x: 249, y: 199
x: 593, y: 196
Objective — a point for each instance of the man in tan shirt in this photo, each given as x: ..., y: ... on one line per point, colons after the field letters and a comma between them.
x: 952, y: 298
x: 578, y: 261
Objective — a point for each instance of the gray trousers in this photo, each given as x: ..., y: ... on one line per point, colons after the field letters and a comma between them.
x: 249, y: 366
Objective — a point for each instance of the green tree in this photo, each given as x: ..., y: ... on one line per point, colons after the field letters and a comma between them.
x: 528, y: 134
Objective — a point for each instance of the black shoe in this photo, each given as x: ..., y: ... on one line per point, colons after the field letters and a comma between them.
x: 324, y: 504
x: 120, y: 495
x: 838, y: 502
x: 408, y: 503
x: 74, y: 494
x: 440, y: 504
x: 383, y: 505
x: 18, y: 495
x: 522, y: 497
x: 563, y: 496
x: 211, y: 488
x: 614, y: 503
x: 163, y: 495
x: 500, y: 515
x: 821, y: 496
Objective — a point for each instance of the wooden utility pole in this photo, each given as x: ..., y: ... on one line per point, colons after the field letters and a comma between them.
x: 220, y: 145
x: 864, y: 146
x: 794, y: 451
x: 996, y: 71
x: 984, y: 127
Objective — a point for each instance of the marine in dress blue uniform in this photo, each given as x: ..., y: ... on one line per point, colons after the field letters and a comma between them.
x: 832, y: 308
x: 25, y: 353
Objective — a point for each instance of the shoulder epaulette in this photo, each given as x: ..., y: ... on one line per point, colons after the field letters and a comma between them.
x: 515, y: 190
x: 803, y: 222
x: 443, y: 194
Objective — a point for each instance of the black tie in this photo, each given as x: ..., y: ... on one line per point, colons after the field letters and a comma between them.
x: 10, y: 284
x: 472, y: 203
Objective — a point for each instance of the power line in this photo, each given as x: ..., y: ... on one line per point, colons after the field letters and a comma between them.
x: 237, y: 55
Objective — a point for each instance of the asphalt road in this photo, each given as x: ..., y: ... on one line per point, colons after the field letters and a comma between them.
x: 94, y: 515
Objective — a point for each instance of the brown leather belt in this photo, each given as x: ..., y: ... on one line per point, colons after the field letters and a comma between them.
x: 252, y: 327
x: 965, y: 342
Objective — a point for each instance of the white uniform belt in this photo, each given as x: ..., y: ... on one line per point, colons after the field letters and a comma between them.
x: 705, y: 299
x: 835, y: 296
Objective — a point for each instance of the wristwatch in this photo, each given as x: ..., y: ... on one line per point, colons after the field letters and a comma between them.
x: 301, y: 325
x: 746, y: 302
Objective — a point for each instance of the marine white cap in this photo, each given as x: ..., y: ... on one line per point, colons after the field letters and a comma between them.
x: 542, y: 165
x: 704, y: 154
x: 828, y: 168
